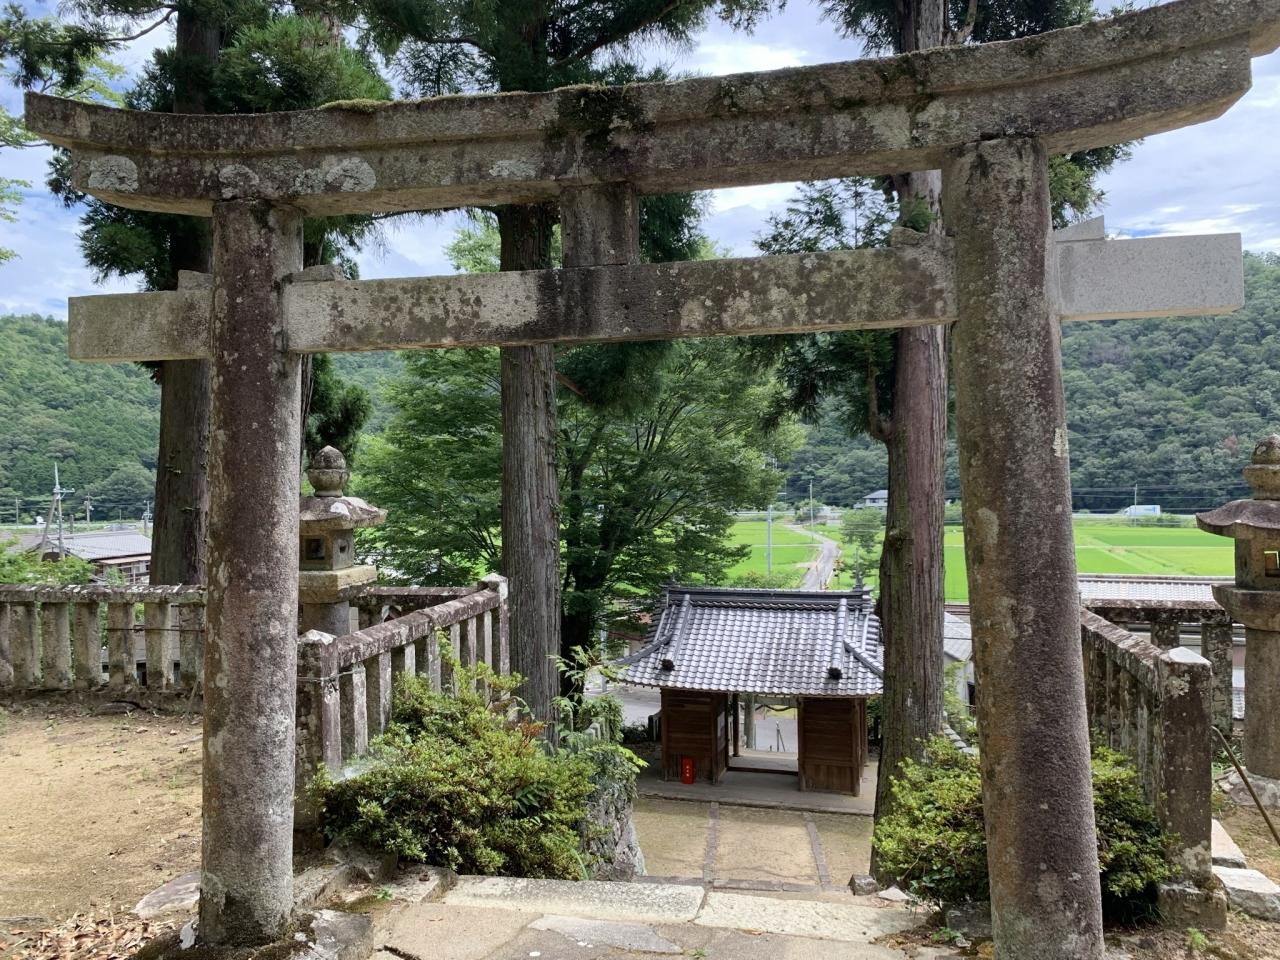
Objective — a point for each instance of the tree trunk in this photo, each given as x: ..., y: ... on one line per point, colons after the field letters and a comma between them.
x: 530, y: 486
x: 911, y: 570
x: 911, y: 566
x: 182, y: 481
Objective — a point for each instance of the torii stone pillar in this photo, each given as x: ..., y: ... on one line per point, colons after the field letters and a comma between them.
x: 1016, y: 489
x: 250, y: 661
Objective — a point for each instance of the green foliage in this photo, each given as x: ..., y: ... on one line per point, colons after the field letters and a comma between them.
x: 933, y: 841
x: 648, y: 492
x: 93, y: 419
x: 1174, y: 406
x: 338, y: 410
x: 291, y: 63
x: 18, y: 567
x: 457, y: 783
x: 861, y: 529
x: 454, y: 45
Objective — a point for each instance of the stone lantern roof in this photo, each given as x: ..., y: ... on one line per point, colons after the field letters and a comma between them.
x: 329, y: 508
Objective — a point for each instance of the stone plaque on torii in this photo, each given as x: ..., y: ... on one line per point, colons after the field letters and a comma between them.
x: 988, y: 116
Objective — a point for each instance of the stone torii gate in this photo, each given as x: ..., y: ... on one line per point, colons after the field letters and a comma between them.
x: 988, y: 116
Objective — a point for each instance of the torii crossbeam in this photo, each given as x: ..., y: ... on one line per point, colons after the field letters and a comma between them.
x: 989, y: 116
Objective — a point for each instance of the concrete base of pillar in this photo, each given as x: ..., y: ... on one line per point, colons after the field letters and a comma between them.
x: 1186, y: 904
x: 322, y: 935
x: 1267, y: 789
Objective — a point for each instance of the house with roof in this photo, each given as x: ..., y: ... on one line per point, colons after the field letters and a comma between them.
x: 708, y: 647
x: 127, y: 552
x: 877, y: 499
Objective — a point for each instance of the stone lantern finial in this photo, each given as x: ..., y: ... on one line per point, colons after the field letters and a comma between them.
x: 1263, y: 472
x: 328, y: 472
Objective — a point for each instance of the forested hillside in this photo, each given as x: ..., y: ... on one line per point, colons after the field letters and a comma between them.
x: 93, y: 419
x: 1173, y: 406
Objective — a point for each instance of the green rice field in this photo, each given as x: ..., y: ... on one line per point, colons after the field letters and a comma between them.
x: 791, y: 549
x: 1116, y: 548
x: 1101, y: 547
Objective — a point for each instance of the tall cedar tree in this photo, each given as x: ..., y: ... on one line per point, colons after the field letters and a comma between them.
x: 895, y: 385
x: 657, y: 446
x: 447, y: 46
x: 228, y: 58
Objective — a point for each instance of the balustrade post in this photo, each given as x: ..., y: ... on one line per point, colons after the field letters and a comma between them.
x: 190, y: 644
x: 404, y: 660
x: 157, y: 618
x: 319, y: 737
x: 502, y: 631
x: 55, y: 645
x: 87, y: 644
x: 1183, y: 794
x: 121, y: 668
x: 6, y: 647
x: 1216, y: 646
x: 353, y: 711
x: 1166, y: 631
x: 377, y: 681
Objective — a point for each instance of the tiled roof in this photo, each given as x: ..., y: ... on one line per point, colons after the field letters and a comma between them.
x: 99, y: 545
x: 1097, y: 589
x: 771, y: 642
x: 957, y: 637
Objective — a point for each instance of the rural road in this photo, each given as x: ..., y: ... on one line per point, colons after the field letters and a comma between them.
x: 823, y: 568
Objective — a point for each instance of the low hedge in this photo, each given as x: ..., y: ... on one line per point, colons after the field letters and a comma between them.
x: 934, y: 843
x: 463, y: 781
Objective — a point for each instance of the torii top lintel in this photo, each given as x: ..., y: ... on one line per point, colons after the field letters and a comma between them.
x: 1082, y: 87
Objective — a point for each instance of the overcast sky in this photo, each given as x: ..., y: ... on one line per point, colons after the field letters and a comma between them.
x: 1215, y: 177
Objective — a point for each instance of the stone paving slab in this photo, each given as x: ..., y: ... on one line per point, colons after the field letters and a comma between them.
x: 1226, y: 852
x: 433, y: 931
x: 637, y: 902
x: 849, y: 922
x: 628, y: 936
x: 562, y: 920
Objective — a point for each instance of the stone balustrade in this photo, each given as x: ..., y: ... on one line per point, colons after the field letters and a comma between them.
x: 345, y: 683
x: 1153, y: 704
x: 135, y: 638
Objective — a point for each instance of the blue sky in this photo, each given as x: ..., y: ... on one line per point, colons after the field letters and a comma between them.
x: 1215, y: 177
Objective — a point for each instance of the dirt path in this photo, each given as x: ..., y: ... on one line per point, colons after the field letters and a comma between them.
x: 95, y: 812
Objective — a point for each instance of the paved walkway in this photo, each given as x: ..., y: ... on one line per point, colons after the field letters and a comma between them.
x: 492, y: 918
x: 743, y: 848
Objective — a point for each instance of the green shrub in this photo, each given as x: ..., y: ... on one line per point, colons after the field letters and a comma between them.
x: 460, y: 780
x: 935, y: 846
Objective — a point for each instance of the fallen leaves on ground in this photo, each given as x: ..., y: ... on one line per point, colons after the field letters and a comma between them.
x: 83, y: 937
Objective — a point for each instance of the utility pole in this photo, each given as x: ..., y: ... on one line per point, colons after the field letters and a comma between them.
x: 768, y: 540
x: 811, y: 503
x: 1134, y: 518
x: 146, y: 518
x: 88, y: 511
x: 55, y: 508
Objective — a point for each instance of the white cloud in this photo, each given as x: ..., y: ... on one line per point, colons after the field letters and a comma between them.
x: 744, y: 56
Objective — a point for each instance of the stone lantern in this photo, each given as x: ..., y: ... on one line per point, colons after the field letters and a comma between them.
x: 329, y: 575
x: 1254, y: 600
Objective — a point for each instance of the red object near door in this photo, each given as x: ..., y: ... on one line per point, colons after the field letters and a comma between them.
x: 686, y: 770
